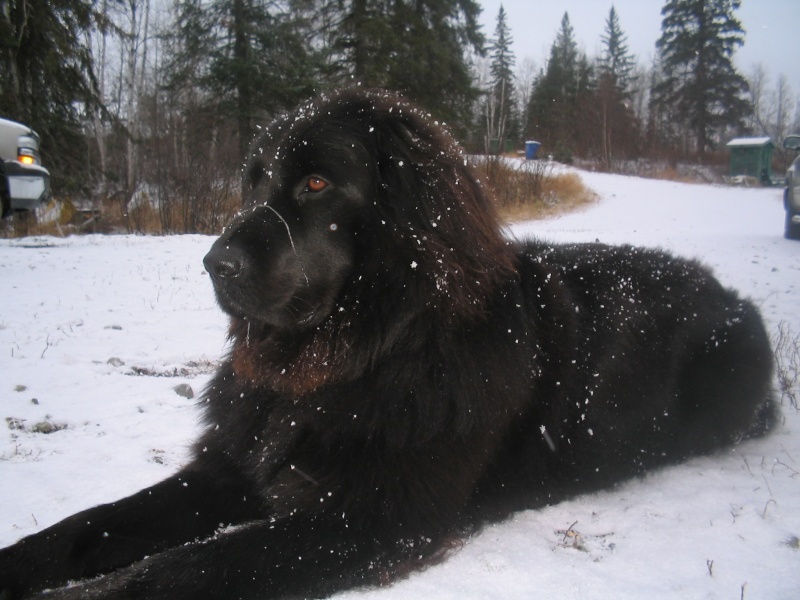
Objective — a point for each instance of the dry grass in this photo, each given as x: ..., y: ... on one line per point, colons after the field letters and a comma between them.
x: 185, y: 214
x: 684, y: 172
x: 669, y: 173
x: 53, y: 220
x: 531, y: 190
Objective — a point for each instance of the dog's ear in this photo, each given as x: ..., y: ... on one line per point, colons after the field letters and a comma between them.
x: 429, y: 191
x: 428, y: 183
x: 404, y: 186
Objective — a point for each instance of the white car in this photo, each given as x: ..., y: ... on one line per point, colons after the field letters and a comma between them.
x: 24, y: 182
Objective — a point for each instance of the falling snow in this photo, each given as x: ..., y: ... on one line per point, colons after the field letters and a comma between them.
x: 715, y: 528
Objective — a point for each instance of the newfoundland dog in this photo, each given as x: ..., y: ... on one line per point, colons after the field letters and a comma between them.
x: 401, y: 373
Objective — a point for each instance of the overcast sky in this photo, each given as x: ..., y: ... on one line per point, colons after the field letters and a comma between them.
x: 772, y: 30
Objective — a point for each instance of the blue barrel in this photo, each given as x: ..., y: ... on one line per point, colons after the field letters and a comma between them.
x: 530, y: 150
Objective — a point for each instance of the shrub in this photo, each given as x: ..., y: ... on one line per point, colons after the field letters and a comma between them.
x: 531, y: 189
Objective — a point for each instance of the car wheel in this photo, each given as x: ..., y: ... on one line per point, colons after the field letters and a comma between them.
x: 792, y: 230
x: 5, y: 204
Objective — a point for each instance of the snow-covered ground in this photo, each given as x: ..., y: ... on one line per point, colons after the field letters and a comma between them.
x: 80, y: 316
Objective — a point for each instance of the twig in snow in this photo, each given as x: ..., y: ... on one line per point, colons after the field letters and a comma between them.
x: 735, y: 512
x: 783, y: 464
x: 769, y: 489
x: 568, y: 531
x: 764, y: 513
x: 47, y: 345
x: 710, y: 565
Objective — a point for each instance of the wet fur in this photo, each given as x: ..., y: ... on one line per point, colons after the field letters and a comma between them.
x: 401, y: 374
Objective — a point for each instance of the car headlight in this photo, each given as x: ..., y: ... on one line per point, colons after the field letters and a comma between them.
x: 28, y: 156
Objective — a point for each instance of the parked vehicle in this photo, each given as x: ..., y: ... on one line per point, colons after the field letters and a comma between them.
x: 791, y: 195
x: 24, y: 182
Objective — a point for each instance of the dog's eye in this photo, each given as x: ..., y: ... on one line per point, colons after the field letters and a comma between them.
x: 315, y: 184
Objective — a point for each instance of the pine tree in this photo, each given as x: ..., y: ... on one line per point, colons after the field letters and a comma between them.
x: 617, y: 123
x: 697, y: 43
x: 564, y: 57
x: 499, y: 108
x: 418, y: 47
x: 358, y: 35
x: 662, y: 130
x: 616, y: 61
x: 248, y: 58
x: 432, y: 40
x: 553, y: 107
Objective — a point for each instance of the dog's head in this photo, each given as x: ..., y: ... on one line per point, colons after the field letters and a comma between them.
x: 360, y: 191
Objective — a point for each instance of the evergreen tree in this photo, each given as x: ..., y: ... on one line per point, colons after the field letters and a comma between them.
x: 359, y: 36
x: 499, y: 107
x: 418, y: 47
x: 698, y: 39
x: 662, y: 130
x: 429, y: 55
x: 564, y: 57
x: 616, y: 62
x: 616, y: 120
x: 48, y: 81
x: 247, y: 57
x: 553, y: 107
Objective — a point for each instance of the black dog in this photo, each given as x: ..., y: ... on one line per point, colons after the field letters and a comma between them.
x: 400, y: 374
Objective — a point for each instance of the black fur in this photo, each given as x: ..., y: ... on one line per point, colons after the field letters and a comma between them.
x: 400, y: 374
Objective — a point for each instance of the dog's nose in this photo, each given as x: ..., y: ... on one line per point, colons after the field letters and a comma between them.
x: 224, y: 262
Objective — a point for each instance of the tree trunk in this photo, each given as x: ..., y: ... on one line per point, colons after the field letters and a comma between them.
x: 359, y: 17
x: 130, y: 96
x: 244, y: 94
x: 99, y: 132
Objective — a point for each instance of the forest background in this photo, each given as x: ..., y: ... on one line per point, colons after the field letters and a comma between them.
x: 146, y: 107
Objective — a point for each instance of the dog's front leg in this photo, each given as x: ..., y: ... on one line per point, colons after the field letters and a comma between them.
x: 297, y: 557
x: 189, y: 506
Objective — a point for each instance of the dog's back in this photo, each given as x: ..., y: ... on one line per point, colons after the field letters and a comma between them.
x: 645, y: 360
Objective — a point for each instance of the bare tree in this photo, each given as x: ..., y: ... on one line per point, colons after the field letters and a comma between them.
x: 525, y: 76
x: 137, y: 15
x: 783, y: 100
x: 640, y: 93
x: 796, y: 120
x: 774, y: 110
x: 100, y: 44
x: 758, y: 80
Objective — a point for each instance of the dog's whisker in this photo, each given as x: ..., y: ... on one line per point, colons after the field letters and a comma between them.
x: 291, y: 239
x: 298, y: 299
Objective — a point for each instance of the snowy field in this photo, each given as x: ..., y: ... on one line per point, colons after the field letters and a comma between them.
x: 96, y: 332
